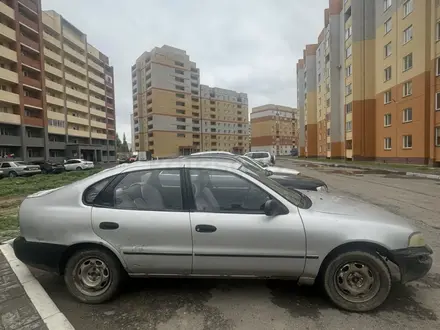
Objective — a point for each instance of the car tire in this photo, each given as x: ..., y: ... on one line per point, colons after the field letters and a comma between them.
x: 107, y: 266
x: 13, y: 174
x: 79, y: 168
x: 370, y: 266
x: 44, y: 171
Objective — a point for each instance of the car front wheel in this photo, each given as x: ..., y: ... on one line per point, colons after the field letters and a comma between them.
x: 357, y: 281
x: 93, y: 276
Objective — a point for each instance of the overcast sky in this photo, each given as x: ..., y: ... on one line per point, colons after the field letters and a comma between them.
x: 250, y: 46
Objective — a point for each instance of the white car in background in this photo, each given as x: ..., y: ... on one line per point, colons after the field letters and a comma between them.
x: 263, y: 157
x: 78, y: 165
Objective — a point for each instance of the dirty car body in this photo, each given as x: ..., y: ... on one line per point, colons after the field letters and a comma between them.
x: 188, y: 217
x: 19, y: 168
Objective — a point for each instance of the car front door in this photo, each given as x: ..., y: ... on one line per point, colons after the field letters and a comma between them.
x: 143, y: 217
x: 233, y: 236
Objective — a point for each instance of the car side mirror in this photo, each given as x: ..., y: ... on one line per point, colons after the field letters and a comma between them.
x: 268, y: 173
x: 271, y: 208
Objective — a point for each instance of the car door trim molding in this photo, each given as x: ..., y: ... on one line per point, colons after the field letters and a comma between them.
x: 139, y: 253
x: 255, y: 256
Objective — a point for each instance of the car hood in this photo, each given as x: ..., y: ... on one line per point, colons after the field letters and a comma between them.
x: 282, y: 170
x: 297, y: 181
x: 348, y: 208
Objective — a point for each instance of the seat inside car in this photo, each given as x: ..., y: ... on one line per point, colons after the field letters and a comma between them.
x: 204, y: 198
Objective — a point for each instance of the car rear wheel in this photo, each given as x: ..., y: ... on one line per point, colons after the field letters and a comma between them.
x: 78, y: 168
x: 12, y: 174
x: 357, y: 281
x: 93, y: 276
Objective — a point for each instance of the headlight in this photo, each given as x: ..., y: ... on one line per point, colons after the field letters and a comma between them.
x: 416, y: 240
x: 322, y: 188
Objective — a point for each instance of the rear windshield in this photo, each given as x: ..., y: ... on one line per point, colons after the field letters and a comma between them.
x: 259, y: 155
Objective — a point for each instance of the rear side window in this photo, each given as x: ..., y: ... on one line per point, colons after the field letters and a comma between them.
x: 91, y: 192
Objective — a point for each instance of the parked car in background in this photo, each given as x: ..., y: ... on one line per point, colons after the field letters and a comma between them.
x: 78, y: 165
x: 189, y: 217
x: 13, y: 169
x: 48, y: 167
x: 264, y: 157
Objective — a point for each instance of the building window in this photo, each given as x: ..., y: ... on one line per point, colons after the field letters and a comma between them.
x: 407, y: 115
x: 408, y: 34
x: 437, y: 30
x: 387, y: 25
x: 348, y: 32
x: 386, y: 4
x: 387, y: 97
x: 387, y: 143
x: 437, y: 66
x: 387, y: 120
x: 348, y: 71
x: 348, y: 126
x: 348, y: 52
x: 387, y: 73
x: 437, y: 101
x: 348, y: 108
x: 387, y: 50
x: 348, y: 90
x: 407, y: 7
x: 437, y: 136
x: 407, y: 62
x: 407, y: 141
x: 407, y: 88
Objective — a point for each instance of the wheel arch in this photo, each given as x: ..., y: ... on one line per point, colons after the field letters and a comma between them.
x: 84, y: 246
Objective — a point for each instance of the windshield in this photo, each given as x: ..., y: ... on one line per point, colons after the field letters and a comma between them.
x: 293, y: 196
x: 252, y: 165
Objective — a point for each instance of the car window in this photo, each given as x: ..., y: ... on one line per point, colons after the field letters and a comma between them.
x: 92, y: 192
x: 150, y: 190
x: 225, y: 192
x: 260, y: 155
x: 5, y: 165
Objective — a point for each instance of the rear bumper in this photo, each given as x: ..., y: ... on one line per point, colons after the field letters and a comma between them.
x: 39, y: 255
x: 413, y: 262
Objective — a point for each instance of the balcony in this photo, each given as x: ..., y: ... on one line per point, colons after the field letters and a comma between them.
x: 75, y: 39
x: 96, y: 89
x: 8, y: 75
x: 6, y: 10
x: 75, y: 132
x: 109, y: 94
x: 52, y: 40
x: 74, y: 53
x: 111, y: 127
x: 56, y: 130
x: 99, y: 136
x: 30, y: 43
x: 8, y: 53
x: 109, y: 105
x: 97, y: 113
x: 31, y: 82
x: 76, y: 106
x: 77, y: 120
x: 30, y: 62
x: 8, y: 32
x: 76, y: 94
x: 29, y: 23
x: 29, y: 4
x: 32, y: 102
x: 96, y: 77
x: 98, y: 124
x: 54, y: 100
x: 33, y: 121
x: 75, y: 67
x: 96, y: 66
x: 57, y: 145
x: 54, y: 56
x: 53, y: 85
x: 76, y: 80
x: 53, y: 70
x: 10, y: 140
x: 9, y: 97
x: 55, y: 115
x: 97, y: 101
x: 34, y: 141
x: 9, y: 118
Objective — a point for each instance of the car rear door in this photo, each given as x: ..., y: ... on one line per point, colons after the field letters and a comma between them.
x: 235, y: 237
x: 144, y: 218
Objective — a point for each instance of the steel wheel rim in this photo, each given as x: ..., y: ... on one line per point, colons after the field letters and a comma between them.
x: 92, y: 277
x: 356, y: 282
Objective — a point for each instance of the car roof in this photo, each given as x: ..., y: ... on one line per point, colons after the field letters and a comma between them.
x: 214, y: 163
x: 211, y: 152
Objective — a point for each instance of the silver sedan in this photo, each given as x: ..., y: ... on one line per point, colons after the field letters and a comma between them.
x: 197, y: 218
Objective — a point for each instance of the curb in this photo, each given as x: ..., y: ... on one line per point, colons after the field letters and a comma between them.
x: 46, y: 308
x: 414, y: 174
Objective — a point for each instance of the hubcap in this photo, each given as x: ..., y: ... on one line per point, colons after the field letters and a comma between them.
x: 92, y: 276
x: 355, y: 282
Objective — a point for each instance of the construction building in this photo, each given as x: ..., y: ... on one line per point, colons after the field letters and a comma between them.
x: 383, y: 82
x: 274, y: 129
x: 173, y: 115
x: 56, y: 96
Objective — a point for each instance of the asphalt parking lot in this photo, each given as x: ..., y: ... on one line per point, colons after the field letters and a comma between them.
x: 235, y: 304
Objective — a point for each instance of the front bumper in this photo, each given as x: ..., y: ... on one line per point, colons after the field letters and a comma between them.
x: 43, y: 256
x: 413, y: 262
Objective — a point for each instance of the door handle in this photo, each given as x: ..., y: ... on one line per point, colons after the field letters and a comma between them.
x: 108, y: 225
x: 205, y: 228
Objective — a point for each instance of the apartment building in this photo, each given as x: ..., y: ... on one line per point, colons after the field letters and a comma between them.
x: 224, y: 120
x: 57, y: 98
x: 166, y: 103
x: 274, y: 129
x: 300, y: 96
